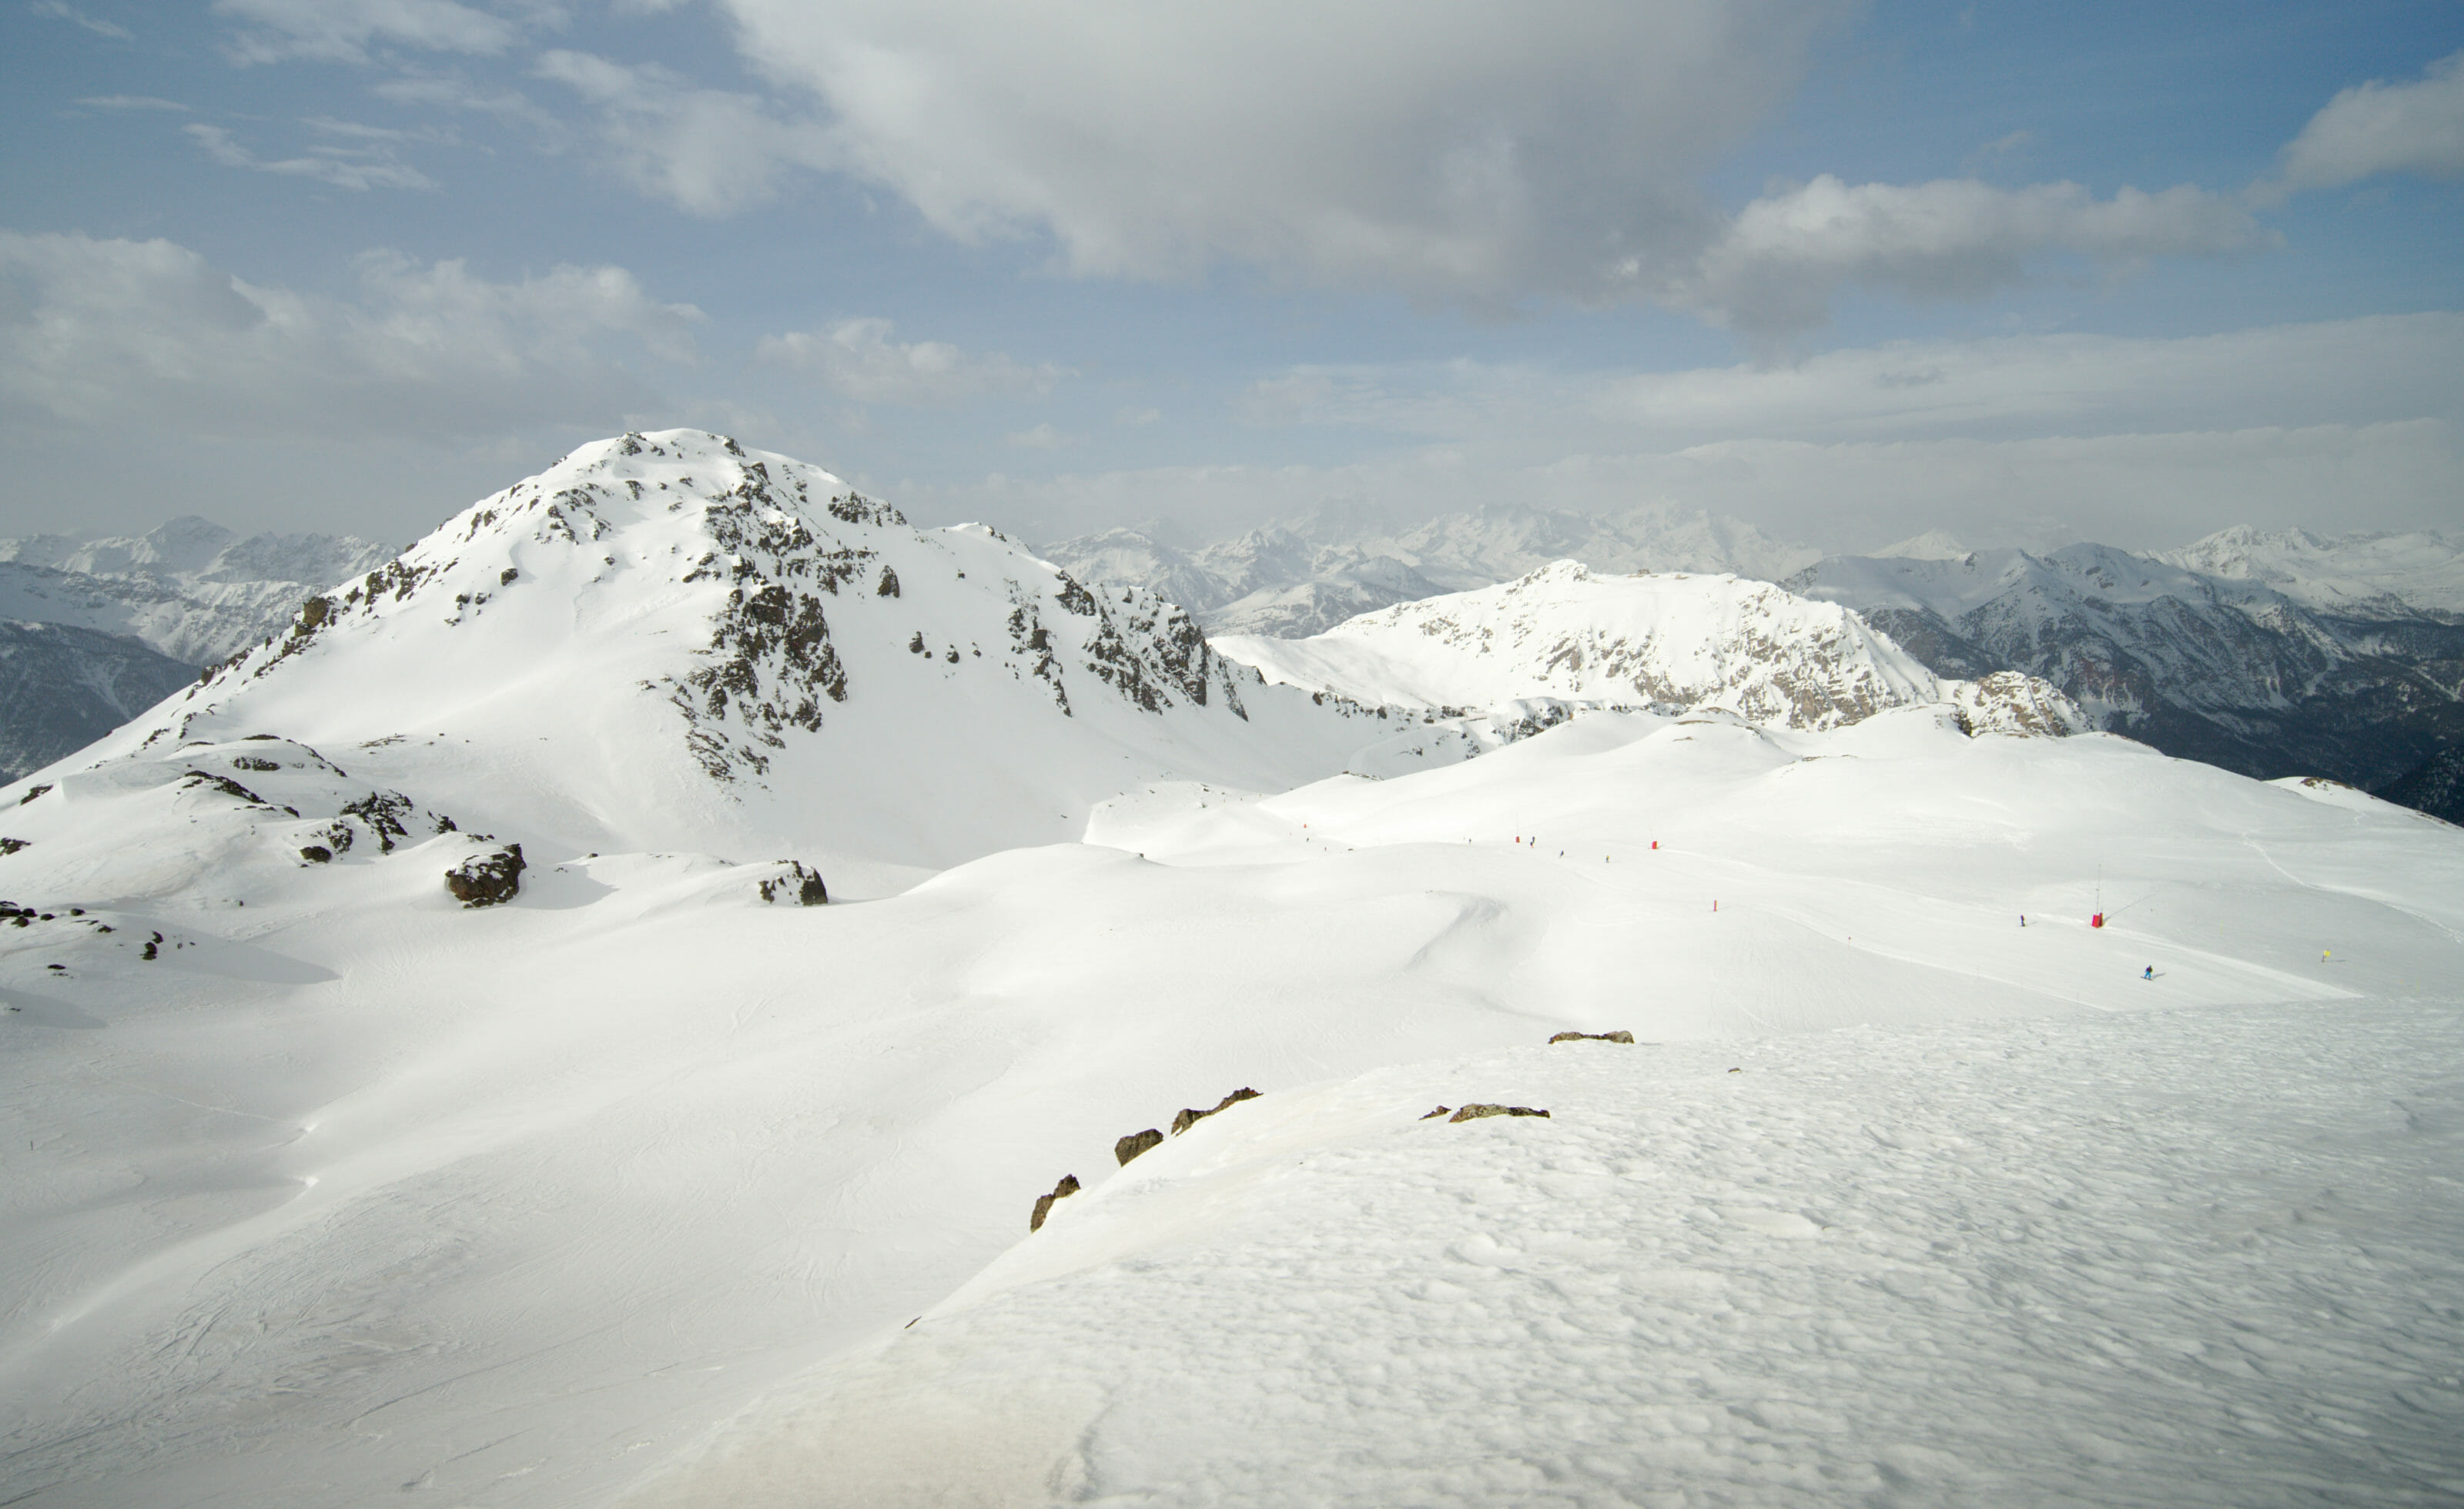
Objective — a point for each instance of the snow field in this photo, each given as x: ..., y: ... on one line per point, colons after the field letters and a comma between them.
x: 2166, y: 1258
x: 349, y: 1192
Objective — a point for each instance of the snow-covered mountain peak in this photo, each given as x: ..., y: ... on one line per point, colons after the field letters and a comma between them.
x: 667, y: 640
x: 1933, y: 544
x: 1666, y: 640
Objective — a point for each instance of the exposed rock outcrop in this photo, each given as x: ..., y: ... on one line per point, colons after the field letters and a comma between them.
x: 1068, y: 1187
x: 487, y: 880
x: 1189, y: 1118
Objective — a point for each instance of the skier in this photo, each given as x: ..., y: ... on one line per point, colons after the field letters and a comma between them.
x: 2147, y: 973
x: 2023, y: 919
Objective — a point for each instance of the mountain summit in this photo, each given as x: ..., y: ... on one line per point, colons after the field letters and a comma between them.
x: 668, y: 642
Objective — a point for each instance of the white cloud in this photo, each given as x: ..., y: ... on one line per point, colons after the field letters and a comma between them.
x: 131, y: 103
x: 2136, y: 441
x: 2371, y: 371
x: 857, y: 361
x: 1464, y: 148
x: 61, y: 10
x: 344, y: 167
x: 146, y: 336
x: 2136, y: 491
x: 709, y: 151
x: 1042, y: 437
x: 343, y: 31
x: 2354, y: 371
x: 1786, y: 256
x: 2376, y: 128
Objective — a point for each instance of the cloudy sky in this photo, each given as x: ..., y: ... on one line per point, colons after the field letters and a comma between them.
x: 2024, y: 272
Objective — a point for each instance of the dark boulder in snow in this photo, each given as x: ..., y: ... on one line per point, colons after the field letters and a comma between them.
x: 487, y: 879
x: 1190, y: 1118
x: 1474, y: 1112
x: 1136, y: 1143
x: 319, y: 854
x: 1592, y: 1037
x: 1068, y: 1186
x: 796, y: 884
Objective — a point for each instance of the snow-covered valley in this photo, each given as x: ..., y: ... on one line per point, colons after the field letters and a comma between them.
x: 322, y: 1186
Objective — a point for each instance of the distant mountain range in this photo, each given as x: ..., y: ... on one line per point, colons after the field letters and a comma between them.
x: 97, y: 630
x: 1303, y: 577
x: 2287, y: 655
x: 2271, y: 653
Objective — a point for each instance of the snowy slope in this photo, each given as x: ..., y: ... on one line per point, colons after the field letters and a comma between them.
x: 2366, y: 575
x: 1565, y: 631
x: 2080, y: 1262
x: 667, y: 643
x: 348, y: 1188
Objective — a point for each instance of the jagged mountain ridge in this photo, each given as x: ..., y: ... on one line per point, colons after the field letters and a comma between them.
x: 2230, y: 671
x: 1672, y: 641
x: 1304, y: 577
x: 668, y: 642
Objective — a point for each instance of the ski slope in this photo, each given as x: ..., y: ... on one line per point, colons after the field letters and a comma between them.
x: 350, y: 1191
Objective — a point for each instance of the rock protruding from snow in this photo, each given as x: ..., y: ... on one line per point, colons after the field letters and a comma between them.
x: 2014, y: 702
x: 1565, y: 631
x: 1068, y: 1187
x: 490, y: 879
x: 796, y: 884
x: 1190, y: 1117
